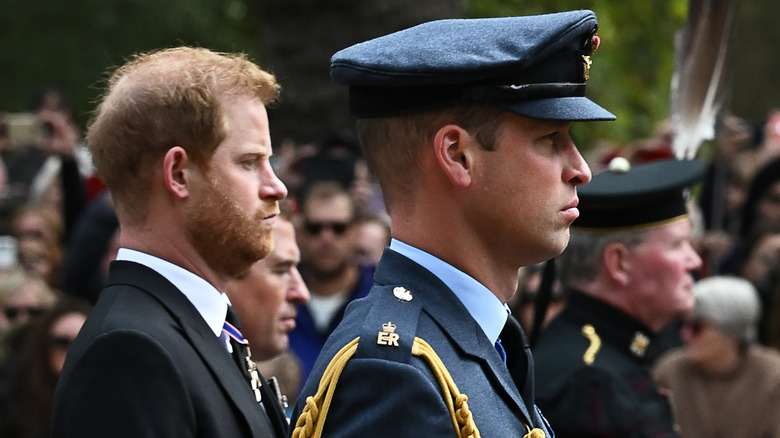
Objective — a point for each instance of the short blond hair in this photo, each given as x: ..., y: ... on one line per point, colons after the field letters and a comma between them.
x: 166, y: 98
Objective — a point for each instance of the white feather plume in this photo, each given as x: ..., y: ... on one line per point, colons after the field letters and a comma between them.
x: 700, y: 73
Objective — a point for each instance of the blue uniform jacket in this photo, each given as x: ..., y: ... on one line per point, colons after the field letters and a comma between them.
x: 384, y: 391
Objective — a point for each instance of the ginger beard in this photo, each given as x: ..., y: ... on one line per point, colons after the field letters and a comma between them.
x: 227, y: 238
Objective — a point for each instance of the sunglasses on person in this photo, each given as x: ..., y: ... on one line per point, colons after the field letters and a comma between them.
x: 315, y: 228
x: 13, y: 312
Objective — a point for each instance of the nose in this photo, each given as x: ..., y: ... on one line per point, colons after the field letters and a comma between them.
x: 298, y: 292
x: 695, y: 261
x: 577, y: 172
x: 271, y: 186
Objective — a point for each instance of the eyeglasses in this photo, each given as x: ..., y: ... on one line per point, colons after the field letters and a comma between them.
x: 61, y: 342
x: 13, y: 312
x: 315, y: 228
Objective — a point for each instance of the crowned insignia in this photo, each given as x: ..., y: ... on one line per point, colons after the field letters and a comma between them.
x: 639, y: 344
x: 388, y: 336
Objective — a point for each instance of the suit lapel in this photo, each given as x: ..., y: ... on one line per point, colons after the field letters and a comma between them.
x: 209, y: 347
x: 447, y: 310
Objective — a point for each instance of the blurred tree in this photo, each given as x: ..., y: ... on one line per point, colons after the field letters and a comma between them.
x: 754, y: 89
x: 73, y: 44
x: 297, y: 40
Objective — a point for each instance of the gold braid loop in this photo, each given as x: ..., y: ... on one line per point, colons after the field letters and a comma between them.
x: 463, y: 414
x: 535, y: 433
x: 316, y: 408
x: 312, y: 419
x: 461, y: 417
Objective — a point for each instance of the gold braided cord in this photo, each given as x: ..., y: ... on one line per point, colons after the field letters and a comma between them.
x: 456, y: 402
x: 312, y: 418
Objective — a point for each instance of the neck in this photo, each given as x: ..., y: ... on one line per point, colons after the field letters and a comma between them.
x: 179, y: 253
x: 723, y: 363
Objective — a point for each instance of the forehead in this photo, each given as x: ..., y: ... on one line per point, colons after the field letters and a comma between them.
x: 246, y: 122
x: 678, y: 229
x: 338, y: 206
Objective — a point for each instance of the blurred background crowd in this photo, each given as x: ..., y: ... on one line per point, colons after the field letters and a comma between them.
x: 58, y: 232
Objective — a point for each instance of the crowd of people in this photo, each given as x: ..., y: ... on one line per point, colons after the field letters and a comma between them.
x: 653, y: 311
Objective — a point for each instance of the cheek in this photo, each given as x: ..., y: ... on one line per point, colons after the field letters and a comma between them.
x: 57, y: 360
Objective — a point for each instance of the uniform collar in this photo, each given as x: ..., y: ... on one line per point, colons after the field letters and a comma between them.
x: 489, y: 312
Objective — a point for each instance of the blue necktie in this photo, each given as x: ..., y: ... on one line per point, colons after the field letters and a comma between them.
x: 501, y: 351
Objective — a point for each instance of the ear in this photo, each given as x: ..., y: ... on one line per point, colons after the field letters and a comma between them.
x: 452, y: 150
x: 617, y: 263
x: 175, y: 168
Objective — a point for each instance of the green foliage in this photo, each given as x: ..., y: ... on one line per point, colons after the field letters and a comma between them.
x: 74, y: 44
x: 632, y: 69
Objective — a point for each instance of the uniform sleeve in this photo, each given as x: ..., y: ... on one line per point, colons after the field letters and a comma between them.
x: 409, y: 403
x: 123, y: 385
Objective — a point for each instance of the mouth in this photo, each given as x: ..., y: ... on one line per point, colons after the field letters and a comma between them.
x: 288, y: 323
x: 570, y: 211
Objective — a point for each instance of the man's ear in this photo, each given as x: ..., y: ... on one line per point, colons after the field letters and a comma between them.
x: 175, y: 171
x: 452, y: 148
x: 617, y: 263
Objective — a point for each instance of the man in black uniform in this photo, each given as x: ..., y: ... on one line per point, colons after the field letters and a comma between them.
x: 628, y: 272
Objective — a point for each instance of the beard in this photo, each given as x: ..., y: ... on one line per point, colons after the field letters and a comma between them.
x: 227, y: 238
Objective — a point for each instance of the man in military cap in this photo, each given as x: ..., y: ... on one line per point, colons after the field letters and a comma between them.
x: 627, y: 272
x: 466, y: 124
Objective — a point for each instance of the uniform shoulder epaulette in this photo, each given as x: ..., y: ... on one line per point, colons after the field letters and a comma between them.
x: 390, y: 326
x: 388, y: 332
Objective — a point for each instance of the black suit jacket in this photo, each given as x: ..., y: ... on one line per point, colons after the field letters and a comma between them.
x: 146, y: 364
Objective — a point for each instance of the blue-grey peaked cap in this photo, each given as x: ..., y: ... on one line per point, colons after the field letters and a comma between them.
x: 535, y: 66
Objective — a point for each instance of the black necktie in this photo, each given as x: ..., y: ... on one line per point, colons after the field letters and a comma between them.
x: 242, y: 357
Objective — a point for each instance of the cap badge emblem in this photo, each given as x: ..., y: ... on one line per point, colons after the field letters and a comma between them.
x: 593, y: 42
x: 586, y: 66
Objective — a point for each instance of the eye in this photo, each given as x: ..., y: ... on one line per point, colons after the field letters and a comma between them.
x: 251, y: 163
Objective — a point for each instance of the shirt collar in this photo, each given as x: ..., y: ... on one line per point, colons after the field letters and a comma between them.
x: 210, y: 303
x: 489, y: 312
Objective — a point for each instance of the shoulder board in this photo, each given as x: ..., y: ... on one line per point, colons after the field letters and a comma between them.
x: 390, y: 326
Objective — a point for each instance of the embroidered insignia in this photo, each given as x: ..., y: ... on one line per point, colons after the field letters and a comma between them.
x: 639, y: 344
x: 595, y: 343
x: 402, y: 293
x: 387, y: 336
x: 586, y: 66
